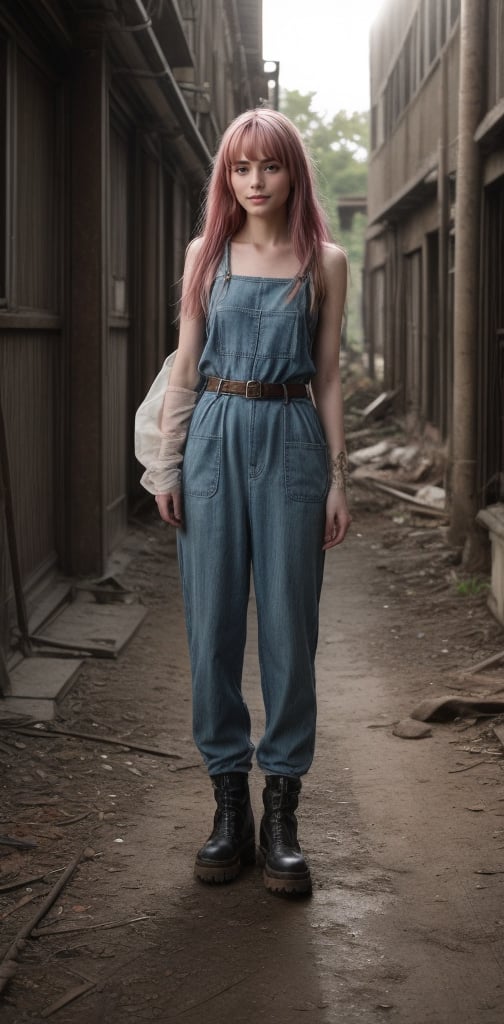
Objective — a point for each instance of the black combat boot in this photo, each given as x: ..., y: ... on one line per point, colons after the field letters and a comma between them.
x: 285, y: 869
x: 232, y: 842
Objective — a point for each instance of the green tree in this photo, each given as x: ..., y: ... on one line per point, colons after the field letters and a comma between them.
x: 339, y: 150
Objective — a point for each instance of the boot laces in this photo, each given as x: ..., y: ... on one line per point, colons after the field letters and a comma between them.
x: 229, y: 810
x: 282, y: 826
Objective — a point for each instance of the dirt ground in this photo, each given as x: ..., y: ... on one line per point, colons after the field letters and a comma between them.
x: 405, y: 837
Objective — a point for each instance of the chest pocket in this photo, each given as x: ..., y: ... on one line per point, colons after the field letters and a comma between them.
x: 247, y: 333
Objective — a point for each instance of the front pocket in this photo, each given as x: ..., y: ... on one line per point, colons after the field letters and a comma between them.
x: 237, y: 331
x: 247, y: 333
x: 201, y: 466
x: 306, y: 471
x: 278, y: 334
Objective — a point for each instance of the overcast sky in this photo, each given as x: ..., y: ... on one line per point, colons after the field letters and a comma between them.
x: 322, y: 46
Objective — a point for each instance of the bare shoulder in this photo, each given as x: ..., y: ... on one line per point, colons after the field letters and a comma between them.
x: 192, y: 253
x: 334, y: 261
x: 335, y: 274
x: 193, y: 249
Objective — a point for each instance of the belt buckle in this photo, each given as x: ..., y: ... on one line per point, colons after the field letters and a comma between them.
x: 253, y: 389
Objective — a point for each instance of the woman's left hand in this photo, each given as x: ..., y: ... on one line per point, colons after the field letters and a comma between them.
x: 338, y: 518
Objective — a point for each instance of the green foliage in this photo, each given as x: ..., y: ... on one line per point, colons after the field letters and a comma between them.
x: 472, y: 587
x: 339, y: 150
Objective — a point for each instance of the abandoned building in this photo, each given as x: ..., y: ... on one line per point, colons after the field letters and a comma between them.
x: 110, y: 111
x: 435, y: 240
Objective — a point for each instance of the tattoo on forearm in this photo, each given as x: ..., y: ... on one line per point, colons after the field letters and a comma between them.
x: 339, y: 470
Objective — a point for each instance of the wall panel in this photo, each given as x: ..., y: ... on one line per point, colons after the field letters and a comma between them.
x: 30, y: 392
x: 116, y: 436
x: 38, y: 192
x: 491, y: 355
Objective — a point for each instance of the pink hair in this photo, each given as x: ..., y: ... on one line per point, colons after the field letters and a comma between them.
x: 258, y: 132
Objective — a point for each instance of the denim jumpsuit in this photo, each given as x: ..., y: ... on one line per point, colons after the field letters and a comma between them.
x: 255, y: 480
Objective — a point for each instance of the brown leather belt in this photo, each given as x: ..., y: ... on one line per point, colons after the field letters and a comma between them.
x: 258, y: 388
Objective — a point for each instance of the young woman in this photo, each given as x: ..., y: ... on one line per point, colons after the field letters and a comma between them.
x: 252, y: 473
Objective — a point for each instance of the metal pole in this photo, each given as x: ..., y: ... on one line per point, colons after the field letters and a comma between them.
x: 467, y: 222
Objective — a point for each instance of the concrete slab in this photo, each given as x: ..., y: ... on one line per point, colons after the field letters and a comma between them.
x: 41, y: 710
x: 103, y: 629
x: 43, y: 678
x: 37, y: 685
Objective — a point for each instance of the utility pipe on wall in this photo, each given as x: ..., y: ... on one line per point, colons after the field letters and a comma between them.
x: 466, y: 299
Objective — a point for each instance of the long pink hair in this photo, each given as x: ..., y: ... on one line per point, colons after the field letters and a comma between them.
x: 270, y: 134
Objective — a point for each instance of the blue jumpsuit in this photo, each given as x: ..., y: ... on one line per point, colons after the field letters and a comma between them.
x: 255, y: 480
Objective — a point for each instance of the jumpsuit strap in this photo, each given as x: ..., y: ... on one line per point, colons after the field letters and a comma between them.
x: 227, y: 260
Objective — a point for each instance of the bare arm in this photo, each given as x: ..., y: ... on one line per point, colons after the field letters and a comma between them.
x: 191, y: 333
x: 326, y: 385
x: 184, y: 374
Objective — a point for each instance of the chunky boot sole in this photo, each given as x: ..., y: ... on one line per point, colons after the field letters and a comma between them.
x: 219, y: 872
x: 284, y: 883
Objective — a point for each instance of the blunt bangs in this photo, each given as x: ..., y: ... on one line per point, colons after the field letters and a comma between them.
x: 254, y: 140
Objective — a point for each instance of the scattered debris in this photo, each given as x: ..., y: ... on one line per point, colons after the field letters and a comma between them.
x: 495, y: 659
x: 498, y: 729
x: 357, y: 435
x: 8, y: 965
x: 467, y: 767
x: 74, y: 820
x: 420, y: 506
x: 95, y: 738
x: 23, y: 882
x: 219, y: 992
x: 55, y: 930
x: 408, y: 729
x: 38, y: 801
x: 28, y: 898
x: 380, y: 406
x: 407, y: 464
x: 442, y: 709
x: 375, y: 453
x: 69, y: 997
x: 404, y: 456
x: 435, y: 497
x: 20, y: 844
x: 107, y: 591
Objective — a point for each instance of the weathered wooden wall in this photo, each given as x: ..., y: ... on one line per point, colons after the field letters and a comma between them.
x: 108, y: 136
x: 32, y: 329
x: 415, y: 69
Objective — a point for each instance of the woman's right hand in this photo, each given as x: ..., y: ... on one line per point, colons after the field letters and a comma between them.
x: 170, y: 507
